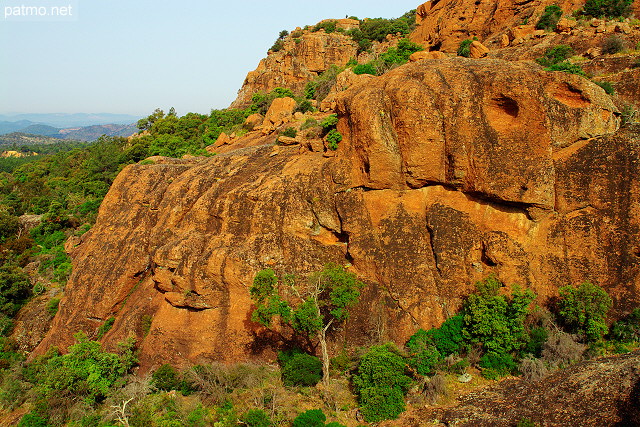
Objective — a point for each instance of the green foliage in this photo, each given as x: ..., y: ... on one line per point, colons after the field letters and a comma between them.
x: 424, y: 355
x: 305, y: 106
x: 333, y: 138
x: 607, y: 86
x: 583, y: 310
x: 329, y: 26
x: 464, y: 48
x: 310, y: 418
x: 33, y: 420
x: 15, y: 289
x: 493, y: 320
x: 302, y: 370
x: 381, y: 383
x: 52, y: 306
x: 549, y: 18
x: 400, y: 54
x: 607, y: 8
x: 567, y: 67
x: 290, y: 132
x: 495, y: 365
x: 555, y: 55
x: 105, y: 327
x: 537, y: 338
x: 627, y: 329
x: 167, y: 378
x: 257, y: 418
x: 448, y: 337
x: 320, y: 87
x: 612, y: 45
x: 368, y: 68
x: 260, y: 101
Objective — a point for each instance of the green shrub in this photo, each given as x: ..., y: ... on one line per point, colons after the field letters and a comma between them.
x: 607, y: 8
x: 105, y: 327
x: 549, y: 18
x: 329, y: 122
x: 333, y: 138
x: 327, y: 26
x: 304, y: 106
x: 424, y: 356
x: 464, y: 48
x: 277, y: 46
x: 6, y: 325
x: 496, y: 365
x: 400, y: 54
x: 15, y: 289
x: 368, y: 68
x: 381, y: 403
x: 52, y: 306
x: 612, y: 45
x: 448, y: 337
x: 320, y: 87
x: 583, y: 310
x: 166, y: 378
x: 567, y: 67
x: 555, y: 55
x: 33, y: 420
x: 537, y: 338
x: 257, y: 418
x: 381, y: 383
x: 493, y: 320
x: 302, y: 370
x: 627, y: 329
x: 607, y: 86
x: 310, y: 418
x: 290, y: 132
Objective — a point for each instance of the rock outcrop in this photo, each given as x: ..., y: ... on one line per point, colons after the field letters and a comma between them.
x: 299, y: 61
x: 514, y: 172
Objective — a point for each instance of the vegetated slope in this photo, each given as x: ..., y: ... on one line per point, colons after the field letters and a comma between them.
x: 420, y: 202
x: 593, y: 393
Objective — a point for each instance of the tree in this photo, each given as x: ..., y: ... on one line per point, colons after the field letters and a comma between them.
x: 583, y: 309
x: 313, y: 309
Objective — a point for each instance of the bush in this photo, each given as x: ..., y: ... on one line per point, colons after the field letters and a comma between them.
x: 329, y: 122
x: 549, y: 18
x: 333, y: 138
x: 32, y: 420
x: 257, y: 418
x: 607, y: 87
x: 309, y: 123
x: 495, y: 365
x: 304, y: 106
x: 302, y: 370
x: 448, y: 337
x: 464, y: 48
x: 52, y: 306
x: 290, y: 132
x: 327, y: 26
x: 434, y: 387
x: 105, y: 327
x: 555, y: 55
x: 310, y: 418
x: 368, y: 68
x: 320, y: 87
x: 380, y: 383
x: 612, y: 45
x: 537, y: 337
x: 583, y: 310
x: 567, y: 67
x: 608, y: 8
x: 277, y: 46
x: 532, y: 369
x: 165, y: 378
x: 561, y: 349
x: 424, y: 356
x: 627, y: 329
x: 495, y: 321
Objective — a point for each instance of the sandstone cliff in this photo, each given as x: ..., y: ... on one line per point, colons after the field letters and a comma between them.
x: 514, y: 172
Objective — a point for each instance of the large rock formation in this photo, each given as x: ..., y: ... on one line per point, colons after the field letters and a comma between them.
x: 449, y: 170
x: 300, y: 60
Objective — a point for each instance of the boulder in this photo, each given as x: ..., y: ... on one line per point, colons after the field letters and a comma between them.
x: 565, y: 26
x: 478, y: 50
x: 504, y: 40
x: 280, y: 112
x: 425, y: 54
x: 254, y: 120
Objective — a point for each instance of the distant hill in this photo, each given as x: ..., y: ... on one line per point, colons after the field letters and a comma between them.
x: 60, y: 120
x: 78, y: 133
x: 20, y: 138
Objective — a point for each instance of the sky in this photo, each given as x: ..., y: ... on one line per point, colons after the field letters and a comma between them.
x: 132, y: 56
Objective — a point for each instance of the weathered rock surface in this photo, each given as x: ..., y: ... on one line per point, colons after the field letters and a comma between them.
x: 300, y: 60
x: 513, y: 172
x: 443, y: 24
x: 603, y: 392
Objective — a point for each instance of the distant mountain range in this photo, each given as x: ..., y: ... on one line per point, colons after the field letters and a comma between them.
x: 88, y: 132
x: 61, y: 120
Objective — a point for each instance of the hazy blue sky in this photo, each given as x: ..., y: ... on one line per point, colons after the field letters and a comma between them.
x: 131, y: 56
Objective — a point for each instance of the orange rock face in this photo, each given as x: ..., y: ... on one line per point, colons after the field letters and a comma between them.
x: 513, y: 173
x: 300, y: 60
